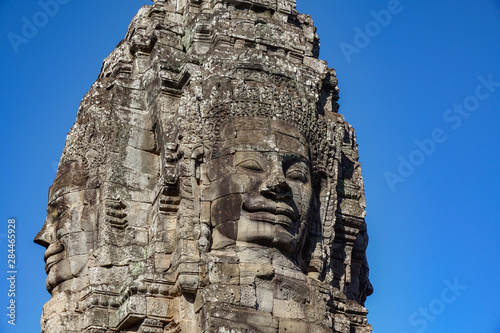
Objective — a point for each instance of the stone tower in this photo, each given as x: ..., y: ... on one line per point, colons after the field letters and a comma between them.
x: 209, y: 183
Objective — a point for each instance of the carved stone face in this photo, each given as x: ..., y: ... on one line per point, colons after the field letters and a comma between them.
x: 67, y: 231
x: 261, y: 187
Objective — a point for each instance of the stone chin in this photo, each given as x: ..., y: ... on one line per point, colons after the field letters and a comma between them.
x: 61, y: 269
x: 58, y: 274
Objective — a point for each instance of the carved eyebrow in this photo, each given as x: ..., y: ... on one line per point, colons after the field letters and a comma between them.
x: 255, y: 148
x: 56, y: 203
x: 290, y: 158
x: 242, y: 155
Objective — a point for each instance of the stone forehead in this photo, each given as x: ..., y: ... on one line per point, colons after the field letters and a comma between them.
x: 71, y: 177
x: 302, y: 116
x: 241, y: 126
x: 263, y: 135
x: 279, y: 128
x: 260, y: 134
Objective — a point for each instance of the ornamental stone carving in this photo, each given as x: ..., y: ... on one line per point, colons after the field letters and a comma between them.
x: 209, y: 183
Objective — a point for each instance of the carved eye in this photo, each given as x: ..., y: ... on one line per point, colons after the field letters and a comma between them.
x: 251, y: 165
x: 296, y: 175
x: 60, y: 210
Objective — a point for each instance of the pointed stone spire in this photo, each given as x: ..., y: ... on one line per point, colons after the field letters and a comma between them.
x: 209, y: 183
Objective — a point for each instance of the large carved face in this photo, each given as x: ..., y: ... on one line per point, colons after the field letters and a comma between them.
x: 67, y: 231
x: 261, y: 187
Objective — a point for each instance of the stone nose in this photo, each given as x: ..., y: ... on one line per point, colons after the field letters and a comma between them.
x: 45, y: 236
x: 276, y: 187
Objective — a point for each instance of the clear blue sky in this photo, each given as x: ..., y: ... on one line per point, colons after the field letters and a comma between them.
x: 421, y: 86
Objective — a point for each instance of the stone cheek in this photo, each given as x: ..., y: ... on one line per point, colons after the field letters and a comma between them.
x: 209, y: 184
x: 225, y: 215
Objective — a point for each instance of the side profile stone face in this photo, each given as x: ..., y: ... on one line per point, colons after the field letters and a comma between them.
x: 209, y: 183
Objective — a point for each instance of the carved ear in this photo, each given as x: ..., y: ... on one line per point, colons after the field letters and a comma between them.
x: 200, y: 185
x: 314, y: 253
x: 197, y: 159
x: 188, y: 249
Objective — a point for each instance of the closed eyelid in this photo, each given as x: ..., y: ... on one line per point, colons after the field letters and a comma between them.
x: 300, y: 164
x: 296, y: 167
x: 250, y: 164
x: 302, y: 171
x: 57, y: 201
x: 56, y: 206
